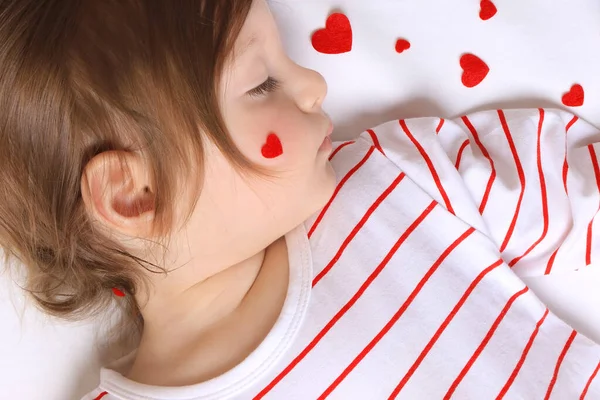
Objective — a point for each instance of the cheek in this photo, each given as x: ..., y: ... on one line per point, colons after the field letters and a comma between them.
x: 283, y: 145
x: 275, y: 144
x: 274, y: 135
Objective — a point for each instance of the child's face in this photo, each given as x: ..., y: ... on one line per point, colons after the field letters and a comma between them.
x: 281, y: 128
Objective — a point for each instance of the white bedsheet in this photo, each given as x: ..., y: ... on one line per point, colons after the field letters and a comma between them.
x: 535, y: 50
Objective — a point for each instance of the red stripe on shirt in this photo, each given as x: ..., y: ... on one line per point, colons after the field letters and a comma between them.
x: 486, y: 154
x: 338, y: 188
x: 571, y: 123
x: 543, y: 190
x: 439, y: 127
x: 588, y: 245
x: 398, y: 313
x: 484, y: 343
x: 358, y: 227
x: 460, y: 153
x: 434, y: 173
x: 341, y: 146
x: 565, y: 174
x: 521, y: 179
x: 515, y: 372
x: 349, y: 304
x: 566, y: 163
x: 588, y: 250
x: 375, y: 140
x: 443, y: 327
x: 101, y: 395
x: 589, y: 382
x: 551, y: 262
x: 558, y: 364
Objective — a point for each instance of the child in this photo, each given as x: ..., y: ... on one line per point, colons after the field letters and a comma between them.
x: 169, y: 155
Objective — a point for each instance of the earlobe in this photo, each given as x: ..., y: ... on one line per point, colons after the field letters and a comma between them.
x: 118, y: 192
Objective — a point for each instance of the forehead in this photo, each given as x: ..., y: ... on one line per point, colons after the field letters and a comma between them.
x: 258, y: 28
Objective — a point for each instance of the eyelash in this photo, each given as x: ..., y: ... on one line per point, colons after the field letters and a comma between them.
x: 268, y: 86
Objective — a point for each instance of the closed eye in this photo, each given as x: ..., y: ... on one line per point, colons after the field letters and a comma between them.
x: 268, y: 86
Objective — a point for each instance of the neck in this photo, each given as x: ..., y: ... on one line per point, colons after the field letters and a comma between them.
x: 214, y: 324
x: 194, y: 309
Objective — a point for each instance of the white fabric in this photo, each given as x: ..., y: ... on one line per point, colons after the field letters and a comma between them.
x: 535, y: 49
x: 417, y: 263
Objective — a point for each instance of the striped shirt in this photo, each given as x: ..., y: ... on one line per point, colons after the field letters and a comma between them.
x: 415, y: 290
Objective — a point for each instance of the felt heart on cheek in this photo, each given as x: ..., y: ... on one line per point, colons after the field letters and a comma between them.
x: 336, y: 38
x: 488, y: 10
x: 474, y: 70
x: 272, y: 148
x: 574, y: 97
x: 117, y: 292
x: 401, y: 45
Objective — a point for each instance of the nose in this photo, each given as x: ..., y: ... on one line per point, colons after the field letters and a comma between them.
x: 310, y: 90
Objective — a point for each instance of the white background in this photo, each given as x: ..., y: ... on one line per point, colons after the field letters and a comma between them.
x: 536, y: 49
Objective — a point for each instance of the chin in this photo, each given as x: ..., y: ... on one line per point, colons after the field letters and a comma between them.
x: 317, y: 191
x: 326, y: 185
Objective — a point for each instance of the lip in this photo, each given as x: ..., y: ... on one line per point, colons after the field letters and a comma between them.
x: 327, y: 145
x: 330, y: 129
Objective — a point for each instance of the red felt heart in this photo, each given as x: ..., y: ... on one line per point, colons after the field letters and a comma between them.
x: 574, y: 97
x: 273, y: 147
x: 336, y: 37
x: 488, y: 10
x: 474, y: 70
x: 117, y: 292
x: 401, y: 45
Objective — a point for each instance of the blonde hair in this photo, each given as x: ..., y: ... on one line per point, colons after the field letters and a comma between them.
x: 78, y: 78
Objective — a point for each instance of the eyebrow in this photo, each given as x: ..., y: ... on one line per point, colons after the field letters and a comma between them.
x: 247, y: 46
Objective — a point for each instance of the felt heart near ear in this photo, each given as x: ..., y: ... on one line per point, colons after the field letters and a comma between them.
x: 474, y: 70
x: 574, y: 97
x: 401, y: 45
x: 272, y: 148
x: 336, y: 37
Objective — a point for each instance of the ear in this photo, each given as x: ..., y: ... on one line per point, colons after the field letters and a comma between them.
x: 118, y: 192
